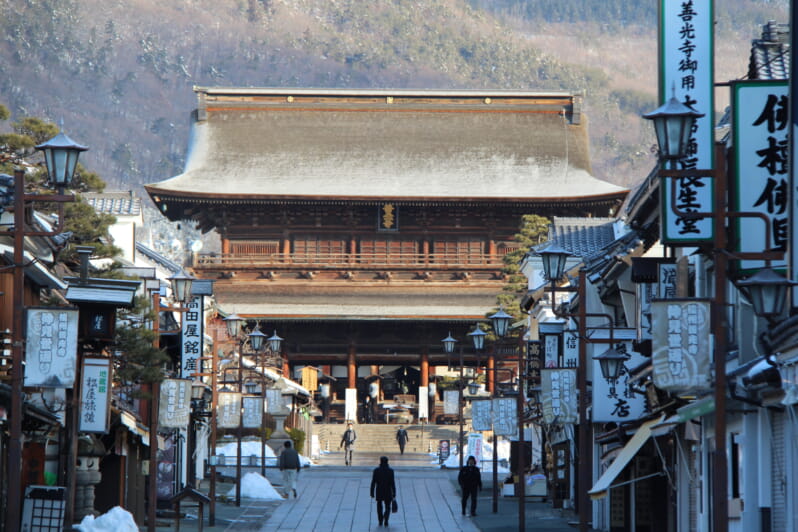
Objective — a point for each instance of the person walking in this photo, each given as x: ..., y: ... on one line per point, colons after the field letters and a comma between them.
x: 290, y: 465
x: 348, y: 443
x: 401, y: 438
x: 470, y: 480
x: 384, y: 487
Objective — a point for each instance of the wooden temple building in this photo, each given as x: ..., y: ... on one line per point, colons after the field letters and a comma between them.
x: 366, y: 225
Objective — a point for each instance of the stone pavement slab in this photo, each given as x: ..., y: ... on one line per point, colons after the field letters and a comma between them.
x: 337, y: 499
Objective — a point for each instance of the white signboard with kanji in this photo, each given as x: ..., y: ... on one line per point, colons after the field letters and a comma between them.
x: 175, y: 404
x: 761, y: 118
x: 192, y: 337
x: 481, y: 414
x: 95, y: 393
x: 51, y: 348
x: 615, y: 401
x: 505, y: 416
x: 253, y: 412
x: 686, y: 60
x: 228, y: 413
x: 451, y: 402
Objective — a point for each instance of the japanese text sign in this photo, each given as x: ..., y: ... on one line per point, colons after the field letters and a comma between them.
x: 761, y: 119
x: 253, y: 412
x: 175, y: 403
x: 95, y: 393
x: 616, y: 401
x: 51, y: 348
x: 558, y: 394
x: 228, y: 413
x: 686, y: 60
x: 192, y: 336
x: 681, y: 345
x: 480, y: 414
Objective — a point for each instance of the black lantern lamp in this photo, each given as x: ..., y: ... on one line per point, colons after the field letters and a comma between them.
x: 200, y: 395
x: 478, y: 337
x: 473, y: 387
x: 256, y: 339
x: 673, y: 125
x: 767, y: 291
x: 251, y: 387
x: 61, y: 157
x: 181, y: 286
x: 233, y: 323
x: 611, y: 362
x: 554, y: 258
x: 501, y: 322
x: 275, y: 343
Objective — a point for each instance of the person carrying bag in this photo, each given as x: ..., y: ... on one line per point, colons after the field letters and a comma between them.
x: 384, y: 487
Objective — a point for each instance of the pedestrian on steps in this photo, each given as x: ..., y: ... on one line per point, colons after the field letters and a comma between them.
x: 384, y: 487
x: 401, y: 439
x: 290, y: 465
x: 470, y: 480
x: 348, y: 443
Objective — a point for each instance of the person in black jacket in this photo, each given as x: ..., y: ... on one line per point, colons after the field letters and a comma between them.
x: 348, y: 443
x: 470, y: 480
x: 401, y: 439
x: 383, y: 486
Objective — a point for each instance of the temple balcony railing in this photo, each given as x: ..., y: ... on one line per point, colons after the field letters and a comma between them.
x: 355, y: 261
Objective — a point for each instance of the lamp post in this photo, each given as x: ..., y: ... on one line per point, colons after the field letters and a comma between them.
x: 673, y: 125
x: 61, y: 157
x: 201, y: 396
x: 448, y: 347
x: 554, y: 259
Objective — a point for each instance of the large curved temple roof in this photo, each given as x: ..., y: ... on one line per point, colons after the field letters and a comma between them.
x: 313, y: 144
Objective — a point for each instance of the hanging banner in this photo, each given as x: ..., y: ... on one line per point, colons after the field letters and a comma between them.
x: 481, y: 414
x: 451, y: 402
x: 616, y: 401
x: 558, y: 394
x: 253, y: 412
x: 350, y: 407
x: 423, y: 403
x: 681, y: 345
x: 761, y: 169
x: 174, y: 410
x: 51, y: 349
x: 228, y: 413
x: 475, y: 446
x: 95, y: 395
x: 191, y: 337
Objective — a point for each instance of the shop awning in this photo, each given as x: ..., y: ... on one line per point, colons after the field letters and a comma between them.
x: 602, y: 487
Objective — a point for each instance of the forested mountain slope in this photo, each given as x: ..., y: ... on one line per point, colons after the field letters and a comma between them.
x: 120, y: 72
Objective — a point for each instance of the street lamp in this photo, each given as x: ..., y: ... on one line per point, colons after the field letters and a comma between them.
x: 766, y: 290
x: 61, y: 157
x: 673, y: 125
x: 201, y: 396
x: 181, y: 286
x: 611, y: 362
x: 448, y: 347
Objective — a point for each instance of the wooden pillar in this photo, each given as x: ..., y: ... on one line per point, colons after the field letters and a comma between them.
x: 351, y: 369
x: 492, y: 248
x: 286, y: 246
x: 491, y: 374
x: 424, y: 367
x: 225, y: 246
x: 425, y: 250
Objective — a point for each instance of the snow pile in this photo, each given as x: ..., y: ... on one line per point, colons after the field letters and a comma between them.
x: 117, y: 519
x: 250, y: 448
x: 254, y: 486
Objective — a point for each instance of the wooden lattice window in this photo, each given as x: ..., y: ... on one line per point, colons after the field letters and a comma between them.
x: 383, y: 250
x: 461, y: 251
x: 254, y: 247
x: 312, y: 248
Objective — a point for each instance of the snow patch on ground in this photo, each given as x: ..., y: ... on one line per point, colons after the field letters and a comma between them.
x: 117, y: 520
x: 254, y: 486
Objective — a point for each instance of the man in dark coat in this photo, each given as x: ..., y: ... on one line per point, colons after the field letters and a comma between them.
x: 384, y: 487
x: 348, y: 443
x: 401, y: 438
x: 470, y: 480
x: 290, y: 465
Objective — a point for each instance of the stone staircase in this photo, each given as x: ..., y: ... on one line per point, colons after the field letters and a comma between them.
x: 381, y: 438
